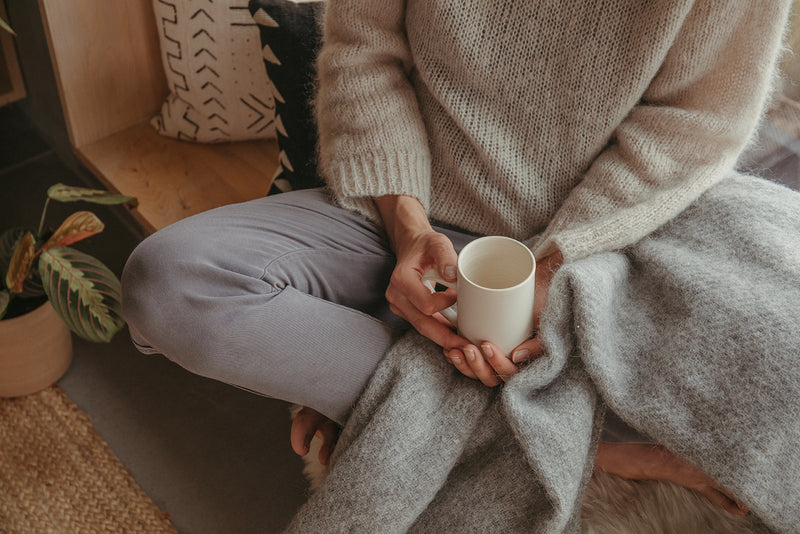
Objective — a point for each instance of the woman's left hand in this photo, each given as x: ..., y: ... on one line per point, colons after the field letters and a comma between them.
x: 487, y: 363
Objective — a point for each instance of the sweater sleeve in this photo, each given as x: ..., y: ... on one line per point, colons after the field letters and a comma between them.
x: 372, y: 139
x: 685, y: 134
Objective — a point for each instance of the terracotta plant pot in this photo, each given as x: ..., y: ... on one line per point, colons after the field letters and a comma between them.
x: 35, y: 351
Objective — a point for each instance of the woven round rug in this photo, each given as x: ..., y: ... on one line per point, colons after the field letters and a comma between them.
x: 58, y: 475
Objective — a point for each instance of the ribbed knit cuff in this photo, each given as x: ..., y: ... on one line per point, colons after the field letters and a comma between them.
x: 542, y: 246
x: 577, y: 239
x: 355, y: 181
x: 573, y: 245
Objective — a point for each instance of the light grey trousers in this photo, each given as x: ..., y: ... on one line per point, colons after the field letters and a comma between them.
x: 283, y: 296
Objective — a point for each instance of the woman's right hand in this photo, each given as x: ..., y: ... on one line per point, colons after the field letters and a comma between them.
x: 412, y: 300
x: 419, y: 248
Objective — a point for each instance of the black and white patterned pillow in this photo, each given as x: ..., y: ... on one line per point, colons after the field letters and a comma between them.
x: 219, y: 91
x: 290, y: 40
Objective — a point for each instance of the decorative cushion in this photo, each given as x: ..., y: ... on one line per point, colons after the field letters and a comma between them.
x: 290, y: 40
x: 212, y: 60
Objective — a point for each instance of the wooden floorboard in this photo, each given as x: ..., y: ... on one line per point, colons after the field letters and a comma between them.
x: 174, y: 179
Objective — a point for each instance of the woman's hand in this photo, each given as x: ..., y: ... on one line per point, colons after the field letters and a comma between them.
x: 412, y: 300
x: 644, y: 461
x: 419, y: 248
x: 487, y: 364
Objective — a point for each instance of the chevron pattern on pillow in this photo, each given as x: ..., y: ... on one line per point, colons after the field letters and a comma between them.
x: 212, y: 60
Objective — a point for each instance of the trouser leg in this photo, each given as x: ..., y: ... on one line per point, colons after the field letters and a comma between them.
x: 283, y: 296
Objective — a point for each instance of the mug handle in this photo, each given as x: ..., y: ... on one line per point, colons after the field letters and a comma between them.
x: 430, y: 279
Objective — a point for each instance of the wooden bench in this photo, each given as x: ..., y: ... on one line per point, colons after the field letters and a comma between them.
x: 109, y: 72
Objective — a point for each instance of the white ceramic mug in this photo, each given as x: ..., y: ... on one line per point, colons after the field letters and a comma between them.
x: 495, y: 287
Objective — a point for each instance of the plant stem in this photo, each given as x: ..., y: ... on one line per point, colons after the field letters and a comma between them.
x: 41, y: 221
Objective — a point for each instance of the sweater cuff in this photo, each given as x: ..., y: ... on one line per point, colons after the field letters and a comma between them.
x: 571, y: 248
x: 355, y: 181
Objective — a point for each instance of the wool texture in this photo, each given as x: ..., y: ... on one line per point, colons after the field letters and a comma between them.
x: 616, y: 505
x: 690, y: 335
x: 581, y: 125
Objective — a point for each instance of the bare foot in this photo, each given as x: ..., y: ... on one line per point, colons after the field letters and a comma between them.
x: 643, y: 461
x: 306, y: 424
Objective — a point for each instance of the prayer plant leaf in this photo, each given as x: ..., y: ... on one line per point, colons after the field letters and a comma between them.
x: 83, y: 292
x: 76, y: 227
x: 32, y: 287
x: 66, y: 193
x: 5, y: 298
x: 8, y: 240
x: 21, y: 262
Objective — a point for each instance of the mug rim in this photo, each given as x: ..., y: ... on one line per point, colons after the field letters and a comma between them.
x: 522, y: 245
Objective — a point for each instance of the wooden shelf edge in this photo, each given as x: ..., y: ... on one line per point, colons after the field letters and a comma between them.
x: 87, y: 161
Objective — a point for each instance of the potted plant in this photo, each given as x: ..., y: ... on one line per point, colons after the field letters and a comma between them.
x: 48, y: 289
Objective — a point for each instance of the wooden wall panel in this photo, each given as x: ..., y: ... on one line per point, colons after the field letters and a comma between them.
x: 107, y: 62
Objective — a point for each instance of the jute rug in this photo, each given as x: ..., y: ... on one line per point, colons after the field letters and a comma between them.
x: 58, y: 476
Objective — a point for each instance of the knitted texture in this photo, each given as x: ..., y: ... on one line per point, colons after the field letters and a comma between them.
x: 690, y: 335
x: 582, y: 125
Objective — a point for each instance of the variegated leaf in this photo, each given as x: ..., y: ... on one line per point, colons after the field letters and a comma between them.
x: 21, y: 262
x: 5, y: 298
x: 66, y: 193
x: 76, y: 227
x: 83, y: 291
x: 8, y: 240
x: 32, y: 286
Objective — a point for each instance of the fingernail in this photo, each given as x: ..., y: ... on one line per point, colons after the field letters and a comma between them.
x: 487, y: 351
x: 456, y: 360
x: 520, y: 355
x: 470, y: 355
x: 450, y: 272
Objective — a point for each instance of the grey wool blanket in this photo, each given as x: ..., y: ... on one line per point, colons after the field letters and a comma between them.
x: 691, y: 336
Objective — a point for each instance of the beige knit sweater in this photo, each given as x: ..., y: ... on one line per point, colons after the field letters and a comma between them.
x: 577, y: 124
